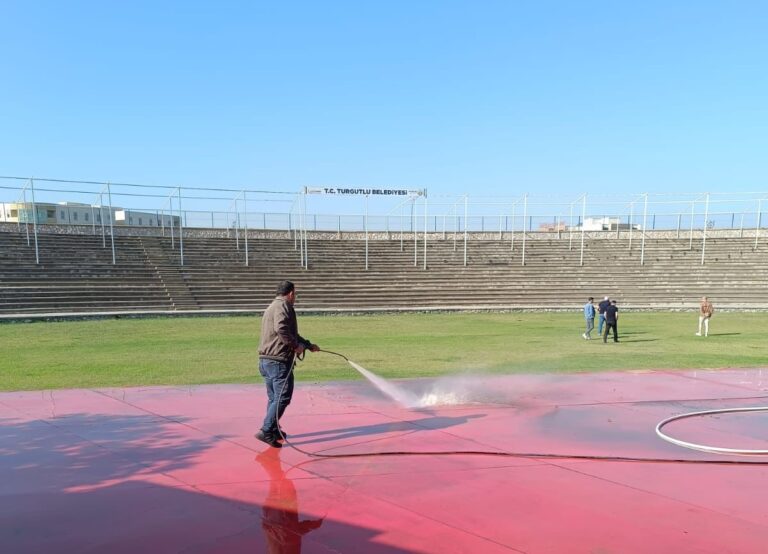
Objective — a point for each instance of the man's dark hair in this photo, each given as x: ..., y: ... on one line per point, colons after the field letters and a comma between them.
x: 285, y: 288
x: 590, y: 299
x: 613, y: 301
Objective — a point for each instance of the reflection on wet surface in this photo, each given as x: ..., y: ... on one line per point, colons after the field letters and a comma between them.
x: 283, y: 529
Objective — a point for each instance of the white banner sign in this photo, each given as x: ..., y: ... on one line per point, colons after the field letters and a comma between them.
x: 364, y: 191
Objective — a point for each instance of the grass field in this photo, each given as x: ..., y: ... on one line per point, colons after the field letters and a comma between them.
x: 129, y: 352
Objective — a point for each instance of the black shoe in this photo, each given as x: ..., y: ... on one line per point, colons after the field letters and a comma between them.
x: 269, y: 439
x: 282, y: 435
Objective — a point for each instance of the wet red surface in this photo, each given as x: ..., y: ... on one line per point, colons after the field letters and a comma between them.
x: 173, y: 469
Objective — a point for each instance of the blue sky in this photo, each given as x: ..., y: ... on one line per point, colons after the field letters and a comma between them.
x: 486, y: 97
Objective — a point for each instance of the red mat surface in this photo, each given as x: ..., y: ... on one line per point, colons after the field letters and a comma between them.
x: 175, y: 469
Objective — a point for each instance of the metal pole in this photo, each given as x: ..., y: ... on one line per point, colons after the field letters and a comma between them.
x: 466, y: 215
x: 501, y: 224
x: 24, y: 210
x: 415, y: 236
x: 101, y: 216
x: 631, y: 225
x: 402, y: 220
x: 245, y: 220
x: 34, y: 219
x: 741, y: 226
x: 525, y: 219
x: 170, y: 221
x: 583, y: 216
x: 181, y: 230
x: 512, y: 240
x: 645, y: 217
x: 704, y: 238
x: 759, y: 217
x: 455, y: 225
x: 162, y: 221
x: 365, y: 221
x: 425, y: 228
x: 111, y: 223
x: 306, y: 235
x: 93, y: 222
x: 237, y: 227
x: 690, y: 235
x: 444, y: 216
x: 570, y: 228
x: 679, y: 217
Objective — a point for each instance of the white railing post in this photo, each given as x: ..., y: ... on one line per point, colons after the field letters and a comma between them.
x: 466, y: 222
x: 583, y: 217
x: 525, y: 221
x: 645, y: 221
x: 111, y: 223
x: 704, y: 238
x: 34, y: 219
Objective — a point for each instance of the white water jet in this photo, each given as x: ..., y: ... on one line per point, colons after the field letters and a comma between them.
x: 402, y: 397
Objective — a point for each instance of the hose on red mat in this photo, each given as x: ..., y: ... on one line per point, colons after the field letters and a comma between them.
x: 502, y: 454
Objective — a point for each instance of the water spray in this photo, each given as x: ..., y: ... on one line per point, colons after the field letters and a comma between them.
x: 398, y: 395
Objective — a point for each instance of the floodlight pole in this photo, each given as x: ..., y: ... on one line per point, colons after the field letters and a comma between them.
x: 34, y: 219
x: 704, y: 238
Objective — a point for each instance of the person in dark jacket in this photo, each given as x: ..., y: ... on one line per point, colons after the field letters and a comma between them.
x: 280, y: 343
x: 601, y: 314
x: 611, y: 321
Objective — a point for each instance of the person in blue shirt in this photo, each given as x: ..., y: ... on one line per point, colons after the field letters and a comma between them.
x: 589, y: 317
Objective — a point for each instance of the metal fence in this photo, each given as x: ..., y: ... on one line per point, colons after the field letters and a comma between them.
x: 170, y: 210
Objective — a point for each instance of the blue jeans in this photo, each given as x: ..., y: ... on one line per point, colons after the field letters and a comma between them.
x: 600, y: 323
x: 278, y: 378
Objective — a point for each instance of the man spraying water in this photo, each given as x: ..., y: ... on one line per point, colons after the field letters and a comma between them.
x: 280, y: 343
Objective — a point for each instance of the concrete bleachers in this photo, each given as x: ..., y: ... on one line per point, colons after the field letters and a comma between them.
x: 76, y: 273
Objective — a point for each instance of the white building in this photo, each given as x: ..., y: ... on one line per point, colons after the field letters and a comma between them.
x: 75, y: 213
x: 605, y: 224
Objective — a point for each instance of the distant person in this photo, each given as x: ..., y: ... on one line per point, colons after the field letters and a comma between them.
x: 706, y: 309
x: 611, y: 321
x: 601, y: 317
x: 280, y: 343
x: 589, y: 317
